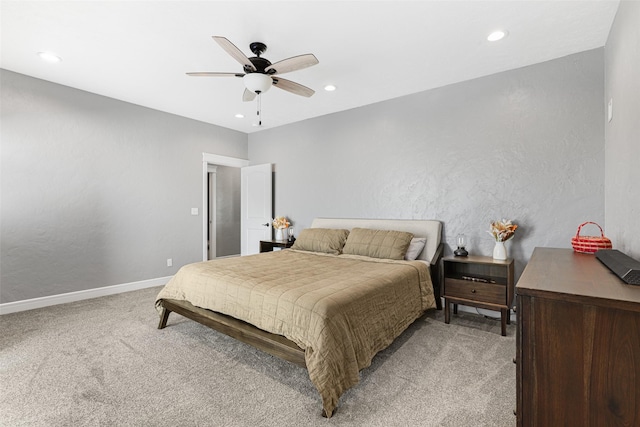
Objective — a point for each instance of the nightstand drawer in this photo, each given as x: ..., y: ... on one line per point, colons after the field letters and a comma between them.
x: 477, y: 291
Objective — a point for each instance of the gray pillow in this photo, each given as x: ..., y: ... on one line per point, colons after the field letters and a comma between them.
x: 416, y: 246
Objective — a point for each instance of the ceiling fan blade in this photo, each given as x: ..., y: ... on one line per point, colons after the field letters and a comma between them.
x: 234, y: 52
x: 248, y: 95
x: 292, y: 87
x: 292, y: 64
x: 210, y: 74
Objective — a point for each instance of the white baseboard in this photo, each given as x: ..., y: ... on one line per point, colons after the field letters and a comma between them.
x: 30, y: 304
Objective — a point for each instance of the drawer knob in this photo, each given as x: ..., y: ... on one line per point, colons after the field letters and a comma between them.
x: 473, y: 291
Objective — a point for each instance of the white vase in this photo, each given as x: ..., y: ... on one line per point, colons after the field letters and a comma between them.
x: 280, y: 234
x: 499, y: 251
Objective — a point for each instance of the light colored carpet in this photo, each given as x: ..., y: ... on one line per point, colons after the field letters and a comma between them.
x: 102, y: 362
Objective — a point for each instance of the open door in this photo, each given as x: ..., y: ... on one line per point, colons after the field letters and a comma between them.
x: 256, y: 207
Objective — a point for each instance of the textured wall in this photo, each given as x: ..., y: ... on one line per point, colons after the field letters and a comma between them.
x: 622, y: 134
x: 526, y: 145
x: 96, y: 192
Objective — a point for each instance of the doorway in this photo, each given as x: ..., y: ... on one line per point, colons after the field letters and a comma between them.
x: 223, y: 225
x: 213, y: 168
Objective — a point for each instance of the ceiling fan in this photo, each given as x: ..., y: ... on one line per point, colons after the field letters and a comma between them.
x: 259, y: 73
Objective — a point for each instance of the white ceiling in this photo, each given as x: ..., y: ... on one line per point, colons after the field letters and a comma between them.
x: 371, y: 50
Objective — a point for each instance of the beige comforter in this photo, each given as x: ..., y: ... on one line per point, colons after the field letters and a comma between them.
x: 341, y: 309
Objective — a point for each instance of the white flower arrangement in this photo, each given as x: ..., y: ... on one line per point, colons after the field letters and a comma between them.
x: 502, y: 230
x: 281, y: 222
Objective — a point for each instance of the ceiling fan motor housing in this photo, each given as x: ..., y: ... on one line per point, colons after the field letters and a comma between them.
x: 260, y: 63
x: 258, y: 48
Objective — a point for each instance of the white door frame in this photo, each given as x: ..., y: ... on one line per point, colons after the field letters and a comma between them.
x: 213, y: 159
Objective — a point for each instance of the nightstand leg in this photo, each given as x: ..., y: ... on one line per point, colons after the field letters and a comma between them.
x: 508, y: 316
x: 503, y: 321
x: 447, y: 312
x: 455, y: 308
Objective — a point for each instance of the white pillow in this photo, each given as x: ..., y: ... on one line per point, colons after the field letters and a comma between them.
x: 415, y: 248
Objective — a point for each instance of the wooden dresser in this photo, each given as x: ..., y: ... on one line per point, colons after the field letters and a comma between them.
x: 578, y: 343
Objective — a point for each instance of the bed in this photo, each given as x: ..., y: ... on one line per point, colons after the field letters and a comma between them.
x: 341, y: 294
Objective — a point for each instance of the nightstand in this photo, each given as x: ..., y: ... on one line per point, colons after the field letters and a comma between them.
x: 268, y: 245
x: 478, y: 281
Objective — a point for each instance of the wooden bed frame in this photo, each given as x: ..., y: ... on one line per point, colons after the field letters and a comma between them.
x: 278, y: 345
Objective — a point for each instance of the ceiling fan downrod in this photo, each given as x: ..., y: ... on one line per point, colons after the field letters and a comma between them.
x: 258, y: 48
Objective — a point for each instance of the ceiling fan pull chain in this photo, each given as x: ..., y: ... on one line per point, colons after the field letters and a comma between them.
x: 259, y: 112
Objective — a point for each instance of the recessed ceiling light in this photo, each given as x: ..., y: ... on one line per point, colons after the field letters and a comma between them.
x: 329, y: 88
x: 49, y: 57
x: 239, y: 116
x: 497, y: 35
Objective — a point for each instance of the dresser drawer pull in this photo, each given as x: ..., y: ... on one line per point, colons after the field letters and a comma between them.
x: 473, y: 291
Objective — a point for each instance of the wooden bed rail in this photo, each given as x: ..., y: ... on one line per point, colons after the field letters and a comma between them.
x: 276, y: 345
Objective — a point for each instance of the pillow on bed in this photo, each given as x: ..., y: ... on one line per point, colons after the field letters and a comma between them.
x: 387, y: 244
x: 415, y: 248
x: 327, y: 240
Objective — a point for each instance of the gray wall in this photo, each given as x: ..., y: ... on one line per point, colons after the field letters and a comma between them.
x: 227, y: 211
x: 526, y: 145
x: 95, y: 191
x: 622, y: 146
x: 98, y: 192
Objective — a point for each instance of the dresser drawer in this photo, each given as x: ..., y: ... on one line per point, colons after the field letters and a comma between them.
x: 476, y: 291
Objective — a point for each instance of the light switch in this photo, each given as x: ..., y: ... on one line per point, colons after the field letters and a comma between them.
x: 194, y: 211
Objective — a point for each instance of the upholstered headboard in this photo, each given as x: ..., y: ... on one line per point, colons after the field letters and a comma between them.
x: 431, y: 229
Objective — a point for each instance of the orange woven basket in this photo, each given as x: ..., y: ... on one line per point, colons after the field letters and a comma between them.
x: 590, y: 244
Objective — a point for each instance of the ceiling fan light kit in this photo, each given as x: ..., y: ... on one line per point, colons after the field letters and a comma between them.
x: 257, y: 82
x: 259, y: 73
